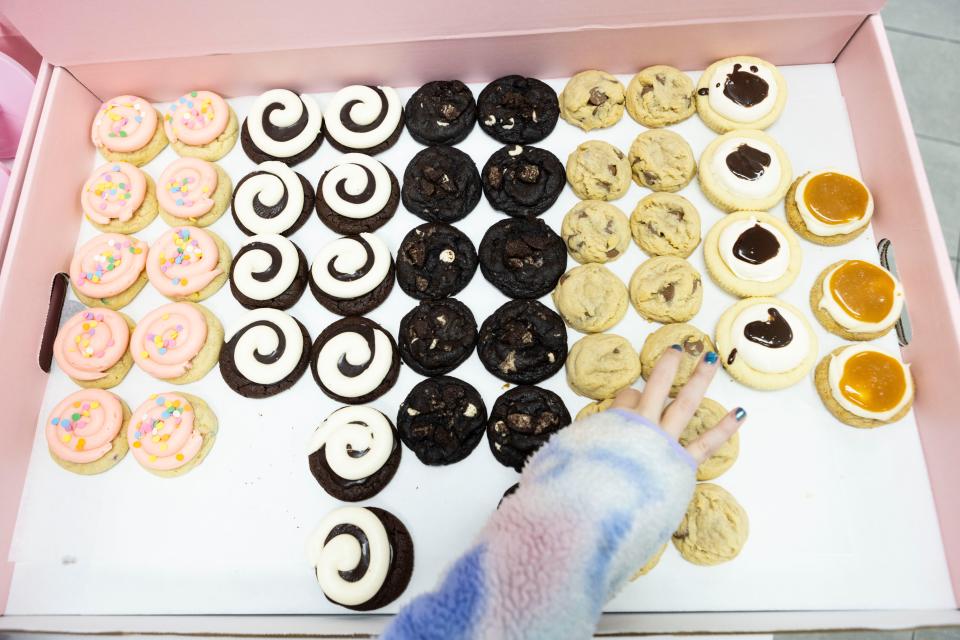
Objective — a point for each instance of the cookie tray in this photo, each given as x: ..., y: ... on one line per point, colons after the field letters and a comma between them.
x: 832, y: 527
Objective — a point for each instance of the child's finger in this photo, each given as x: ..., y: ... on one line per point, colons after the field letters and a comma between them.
x: 658, y: 385
x: 627, y: 398
x: 678, y: 414
x: 704, y: 446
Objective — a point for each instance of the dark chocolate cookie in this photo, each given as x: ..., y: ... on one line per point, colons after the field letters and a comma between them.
x: 272, y: 199
x: 268, y: 271
x: 354, y: 453
x: 434, y: 261
x: 523, y: 342
x: 363, y: 118
x: 355, y: 522
x: 441, y: 112
x: 436, y: 336
x: 523, y: 181
x: 518, y: 110
x: 512, y: 489
x: 283, y: 126
x: 357, y: 194
x: 352, y: 275
x: 442, y: 420
x: 441, y: 184
x: 359, y: 366
x: 522, y: 257
x: 521, y: 421
x: 267, y: 354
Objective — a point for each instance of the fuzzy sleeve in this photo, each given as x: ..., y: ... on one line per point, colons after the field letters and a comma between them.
x: 593, y: 505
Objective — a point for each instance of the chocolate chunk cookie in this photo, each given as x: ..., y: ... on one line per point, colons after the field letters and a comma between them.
x: 435, y: 260
x: 523, y: 342
x: 437, y: 336
x: 518, y: 110
x: 441, y: 112
x: 522, y: 257
x: 441, y: 184
x: 442, y: 420
x: 523, y: 181
x: 521, y: 421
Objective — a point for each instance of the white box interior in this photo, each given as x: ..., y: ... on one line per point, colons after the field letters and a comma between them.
x: 840, y: 518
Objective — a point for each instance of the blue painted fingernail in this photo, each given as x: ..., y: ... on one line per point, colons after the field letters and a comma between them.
x: 711, y: 357
x: 676, y: 347
x: 739, y: 414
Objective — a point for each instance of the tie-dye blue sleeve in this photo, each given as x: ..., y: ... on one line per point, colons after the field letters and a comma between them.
x: 593, y: 505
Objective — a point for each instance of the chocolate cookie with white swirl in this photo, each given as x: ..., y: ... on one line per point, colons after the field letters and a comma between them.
x: 522, y: 257
x: 441, y: 184
x: 357, y: 194
x: 268, y: 271
x: 266, y: 352
x: 523, y: 342
x: 435, y: 260
x: 521, y: 421
x: 518, y: 110
x: 364, y: 118
x: 282, y: 125
x: 355, y: 360
x: 442, y: 420
x: 352, y: 275
x: 354, y: 453
x: 441, y: 112
x: 437, y: 336
x: 383, y: 566
x: 272, y: 199
x: 523, y: 181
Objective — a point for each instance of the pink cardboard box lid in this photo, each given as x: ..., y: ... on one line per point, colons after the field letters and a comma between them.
x: 71, y: 33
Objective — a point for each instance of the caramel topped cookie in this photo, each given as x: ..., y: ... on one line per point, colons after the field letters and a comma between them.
x: 856, y: 300
x: 864, y: 386
x: 518, y: 110
x: 522, y: 181
x: 828, y: 207
x: 592, y: 100
x: 659, y: 96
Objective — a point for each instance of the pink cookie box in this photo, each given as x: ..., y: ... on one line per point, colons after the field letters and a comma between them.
x: 380, y: 41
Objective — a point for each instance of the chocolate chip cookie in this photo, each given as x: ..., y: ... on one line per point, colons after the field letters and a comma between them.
x: 518, y: 110
x: 522, y: 257
x: 666, y: 224
x: 692, y: 341
x: 442, y: 420
x: 662, y: 160
x: 590, y: 298
x: 441, y: 112
x: 659, y: 96
x: 434, y: 261
x: 523, y: 342
x: 521, y: 421
x: 666, y: 289
x: 522, y: 181
x: 597, y: 170
x: 436, y: 336
x: 595, y: 231
x: 592, y: 100
x: 441, y: 184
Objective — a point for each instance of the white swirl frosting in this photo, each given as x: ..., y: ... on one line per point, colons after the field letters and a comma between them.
x: 357, y: 186
x: 267, y: 268
x: 259, y: 203
x: 352, y: 350
x: 361, y: 117
x: 345, y: 553
x: 357, y: 441
x: 766, y: 271
x: 298, y: 115
x: 764, y: 185
x: 268, y: 347
x: 835, y: 371
x: 819, y: 227
x: 351, y: 266
x: 767, y: 359
x: 733, y: 110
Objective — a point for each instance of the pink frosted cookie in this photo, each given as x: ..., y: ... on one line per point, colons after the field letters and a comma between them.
x: 193, y: 191
x: 108, y: 271
x: 179, y: 342
x: 119, y: 198
x: 91, y: 347
x: 171, y: 433
x: 187, y: 263
x: 84, y: 432
x: 126, y: 129
x: 201, y: 124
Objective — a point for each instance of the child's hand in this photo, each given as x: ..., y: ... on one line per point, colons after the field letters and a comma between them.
x: 674, y: 417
